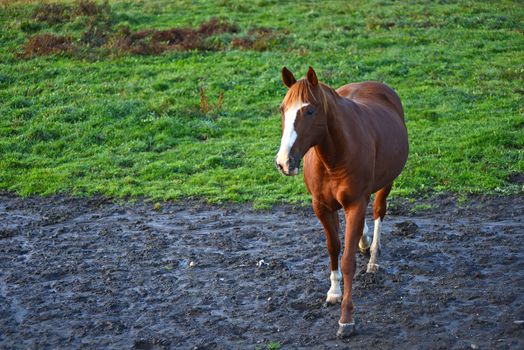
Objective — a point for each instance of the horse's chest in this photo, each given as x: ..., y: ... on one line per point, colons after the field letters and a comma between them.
x: 325, y: 187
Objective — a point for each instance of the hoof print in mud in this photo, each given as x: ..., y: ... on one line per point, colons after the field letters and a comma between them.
x: 345, y: 330
x: 367, y: 280
x: 406, y: 228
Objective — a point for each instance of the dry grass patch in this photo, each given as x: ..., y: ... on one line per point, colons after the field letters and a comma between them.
x: 55, y: 13
x: 46, y: 44
x: 100, y: 33
x: 152, y: 41
x: 260, y: 39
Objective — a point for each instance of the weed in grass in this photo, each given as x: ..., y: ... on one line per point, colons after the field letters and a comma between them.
x: 204, y: 104
x: 208, y: 108
x: 375, y: 23
x: 421, y: 207
x: 273, y: 345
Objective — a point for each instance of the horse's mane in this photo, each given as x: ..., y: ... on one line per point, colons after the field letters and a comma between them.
x: 301, y: 92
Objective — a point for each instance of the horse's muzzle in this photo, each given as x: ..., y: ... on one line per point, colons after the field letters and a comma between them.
x: 288, y: 167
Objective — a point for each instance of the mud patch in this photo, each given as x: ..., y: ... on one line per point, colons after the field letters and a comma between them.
x: 516, y: 178
x: 93, y: 273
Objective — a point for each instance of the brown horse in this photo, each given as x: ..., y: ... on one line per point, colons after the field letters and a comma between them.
x: 354, y: 143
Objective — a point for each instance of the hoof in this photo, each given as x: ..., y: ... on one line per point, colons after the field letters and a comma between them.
x: 345, y: 330
x: 364, y: 251
x: 333, y: 298
x: 364, y: 244
x: 372, y: 268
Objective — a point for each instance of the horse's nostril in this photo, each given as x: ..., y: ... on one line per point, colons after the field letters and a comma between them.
x: 279, y: 166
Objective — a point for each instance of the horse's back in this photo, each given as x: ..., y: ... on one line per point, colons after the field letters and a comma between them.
x: 372, y: 92
x: 383, y: 116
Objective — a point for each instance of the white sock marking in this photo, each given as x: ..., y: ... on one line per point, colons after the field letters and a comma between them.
x: 334, y: 294
x: 289, y: 136
x: 375, y: 246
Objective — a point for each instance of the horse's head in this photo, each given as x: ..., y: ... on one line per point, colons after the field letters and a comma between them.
x: 303, y: 120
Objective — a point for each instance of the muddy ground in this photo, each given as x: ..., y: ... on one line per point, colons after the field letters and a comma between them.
x: 91, y: 273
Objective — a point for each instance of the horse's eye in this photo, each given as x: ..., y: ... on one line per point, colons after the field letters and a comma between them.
x: 310, y: 112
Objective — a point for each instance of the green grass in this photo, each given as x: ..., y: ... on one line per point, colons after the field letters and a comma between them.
x: 130, y: 125
x: 270, y: 346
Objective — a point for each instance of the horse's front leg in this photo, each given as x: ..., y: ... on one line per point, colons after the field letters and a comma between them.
x: 330, y: 221
x: 355, y: 216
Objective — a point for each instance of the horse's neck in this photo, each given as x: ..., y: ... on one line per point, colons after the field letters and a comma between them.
x: 339, y: 143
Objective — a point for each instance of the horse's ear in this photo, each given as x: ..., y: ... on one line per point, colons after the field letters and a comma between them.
x: 287, y: 77
x: 312, y: 77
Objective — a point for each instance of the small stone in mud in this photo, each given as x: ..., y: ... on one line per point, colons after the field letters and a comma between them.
x: 103, y: 231
x: 406, y: 228
x: 192, y: 264
x: 261, y: 263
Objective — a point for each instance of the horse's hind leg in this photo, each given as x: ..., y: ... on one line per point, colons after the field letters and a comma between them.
x: 379, y: 211
x: 365, y: 240
x: 330, y: 221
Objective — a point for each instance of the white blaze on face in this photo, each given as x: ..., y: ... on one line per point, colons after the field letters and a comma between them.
x: 289, y: 135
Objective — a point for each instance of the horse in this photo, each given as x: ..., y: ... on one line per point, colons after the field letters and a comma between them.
x: 354, y: 143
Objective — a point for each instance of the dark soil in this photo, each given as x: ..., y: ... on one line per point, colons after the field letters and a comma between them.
x: 91, y: 273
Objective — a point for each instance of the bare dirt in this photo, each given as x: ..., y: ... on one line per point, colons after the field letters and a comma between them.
x: 92, y: 273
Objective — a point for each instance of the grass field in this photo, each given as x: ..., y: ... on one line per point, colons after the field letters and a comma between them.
x: 103, y: 115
